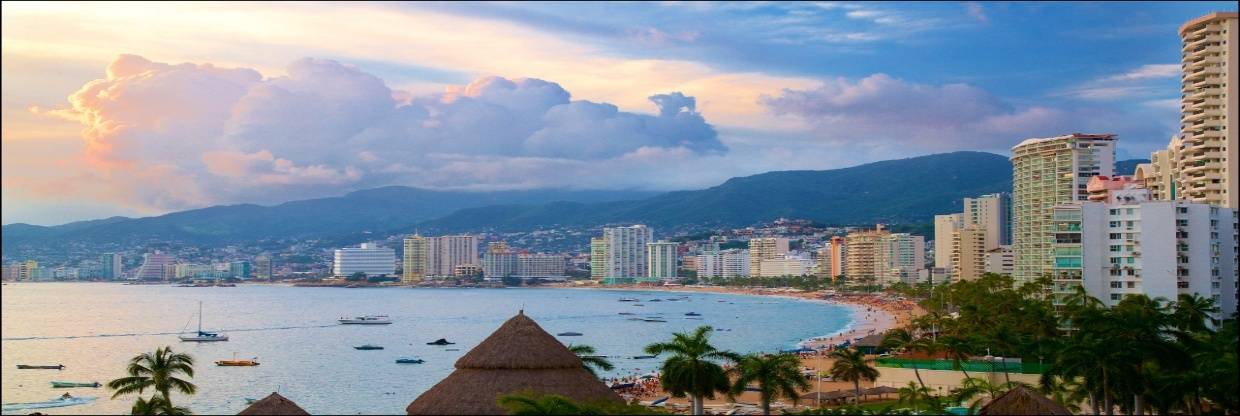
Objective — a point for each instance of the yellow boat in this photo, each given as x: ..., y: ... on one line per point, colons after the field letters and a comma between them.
x: 237, y: 363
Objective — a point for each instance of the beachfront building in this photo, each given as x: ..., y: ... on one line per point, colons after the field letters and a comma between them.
x: 542, y: 266
x: 839, y: 252
x: 1001, y: 260
x: 899, y: 257
x: 1047, y: 172
x: 368, y: 258
x: 945, y: 227
x: 1204, y: 165
x: 262, y: 267
x: 415, y: 256
x: 786, y: 265
x: 728, y: 263
x: 762, y: 249
x: 156, y: 266
x: 862, y: 258
x: 969, y: 253
x: 625, y: 257
x: 496, y: 265
x: 444, y: 253
x: 598, y: 258
x: 1156, y: 248
x: 661, y: 257
x: 110, y: 266
x: 240, y: 269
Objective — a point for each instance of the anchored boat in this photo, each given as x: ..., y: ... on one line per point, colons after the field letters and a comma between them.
x: 203, y: 336
x: 40, y: 367
x: 366, y: 320
x: 568, y: 334
x: 367, y: 347
x: 409, y: 360
x: 234, y: 362
x: 67, y: 384
x: 440, y: 341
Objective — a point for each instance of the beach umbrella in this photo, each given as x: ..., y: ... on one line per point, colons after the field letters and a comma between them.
x: 1021, y: 400
x: 518, y: 357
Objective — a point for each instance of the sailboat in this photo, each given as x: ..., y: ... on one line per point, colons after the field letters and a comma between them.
x: 203, y: 336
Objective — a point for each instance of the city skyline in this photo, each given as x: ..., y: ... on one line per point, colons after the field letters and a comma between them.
x: 670, y: 101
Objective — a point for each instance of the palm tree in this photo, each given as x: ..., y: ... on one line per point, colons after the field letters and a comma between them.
x: 958, y: 349
x: 914, y: 396
x: 529, y: 404
x: 851, y: 365
x: 902, y: 339
x: 694, y: 368
x: 157, y: 406
x: 776, y: 375
x: 158, y: 371
x: 1192, y: 311
x: 592, y: 362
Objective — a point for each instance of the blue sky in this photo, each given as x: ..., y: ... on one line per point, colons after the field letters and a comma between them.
x: 144, y: 109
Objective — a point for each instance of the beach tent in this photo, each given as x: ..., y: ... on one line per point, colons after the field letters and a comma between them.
x: 1021, y: 400
x: 872, y: 344
x: 274, y: 404
x: 518, y: 357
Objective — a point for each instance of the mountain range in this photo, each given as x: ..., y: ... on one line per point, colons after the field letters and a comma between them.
x: 904, y: 191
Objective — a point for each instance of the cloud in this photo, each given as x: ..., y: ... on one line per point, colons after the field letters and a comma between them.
x: 882, y: 113
x: 1148, y: 71
x: 976, y: 11
x: 178, y: 136
x: 1146, y: 80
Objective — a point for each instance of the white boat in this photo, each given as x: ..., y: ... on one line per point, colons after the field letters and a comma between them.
x: 203, y: 336
x: 366, y: 320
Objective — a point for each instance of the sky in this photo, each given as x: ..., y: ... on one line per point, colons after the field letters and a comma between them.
x: 141, y: 109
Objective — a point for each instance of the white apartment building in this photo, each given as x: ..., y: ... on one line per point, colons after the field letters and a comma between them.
x: 1000, y: 260
x: 1156, y: 248
x: 786, y: 265
x: 1204, y: 164
x: 367, y: 258
x: 156, y: 266
x: 899, y: 257
x: 1047, y: 172
x: 447, y: 252
x: 992, y: 213
x: 945, y: 227
x: 499, y: 264
x: 545, y: 266
x: 626, y: 253
x: 661, y: 257
x: 723, y: 263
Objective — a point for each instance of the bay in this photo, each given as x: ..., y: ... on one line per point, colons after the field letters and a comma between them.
x: 94, y: 328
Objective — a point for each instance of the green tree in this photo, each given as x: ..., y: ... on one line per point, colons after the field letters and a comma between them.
x: 851, y: 365
x: 356, y: 277
x: 593, y: 363
x: 156, y: 405
x: 530, y: 403
x: 902, y: 339
x: 777, y: 375
x: 694, y: 366
x: 160, y: 371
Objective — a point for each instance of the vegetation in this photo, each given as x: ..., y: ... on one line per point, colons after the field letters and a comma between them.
x: 593, y: 363
x: 160, y: 371
x: 852, y: 365
x: 529, y: 403
x: 694, y: 368
x: 777, y: 375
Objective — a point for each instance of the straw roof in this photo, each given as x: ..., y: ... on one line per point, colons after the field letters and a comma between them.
x: 881, y: 390
x: 518, y: 357
x: 275, y: 404
x: 1022, y: 400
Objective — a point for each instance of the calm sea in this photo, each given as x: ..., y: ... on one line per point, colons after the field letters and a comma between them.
x: 94, y: 328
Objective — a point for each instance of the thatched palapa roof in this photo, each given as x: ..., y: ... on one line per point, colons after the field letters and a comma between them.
x: 275, y: 404
x: 1021, y: 400
x: 518, y: 357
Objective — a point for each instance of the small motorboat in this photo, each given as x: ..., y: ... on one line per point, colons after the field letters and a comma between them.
x: 655, y: 300
x: 367, y: 347
x: 643, y: 357
x: 627, y: 313
x: 67, y: 384
x: 653, y: 320
x: 40, y: 367
x: 693, y: 314
x: 659, y: 401
x: 628, y: 299
x: 638, y: 304
x: 440, y: 341
x: 568, y: 334
x: 61, y: 401
x: 409, y: 360
x: 452, y: 349
x: 366, y: 320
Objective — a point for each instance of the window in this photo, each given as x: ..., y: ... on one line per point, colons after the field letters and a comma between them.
x: 1115, y: 249
x: 1183, y: 210
x: 1116, y: 236
x: 1117, y: 285
x: 1132, y: 285
x: 1115, y: 296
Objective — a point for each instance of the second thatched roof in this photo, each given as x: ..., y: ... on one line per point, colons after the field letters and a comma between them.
x: 1021, y: 400
x: 274, y: 404
x: 518, y: 357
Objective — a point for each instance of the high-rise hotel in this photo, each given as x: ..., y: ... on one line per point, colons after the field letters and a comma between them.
x: 1047, y: 172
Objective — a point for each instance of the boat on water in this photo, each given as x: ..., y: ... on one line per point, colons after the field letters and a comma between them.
x: 655, y: 300
x: 440, y: 341
x: 626, y: 313
x: 643, y: 357
x: 568, y: 334
x: 693, y: 314
x: 452, y: 349
x: 40, y: 367
x: 367, y: 347
x: 628, y: 299
x: 653, y: 320
x: 409, y: 360
x: 366, y: 320
x: 57, y: 402
x: 203, y: 336
x: 234, y: 362
x: 67, y: 384
x: 250, y: 400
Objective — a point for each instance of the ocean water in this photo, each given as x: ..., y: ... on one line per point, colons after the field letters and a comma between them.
x: 94, y: 328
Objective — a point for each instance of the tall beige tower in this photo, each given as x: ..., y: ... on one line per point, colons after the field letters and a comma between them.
x: 767, y: 248
x: 1046, y: 172
x: 414, y: 256
x: 1206, y: 161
